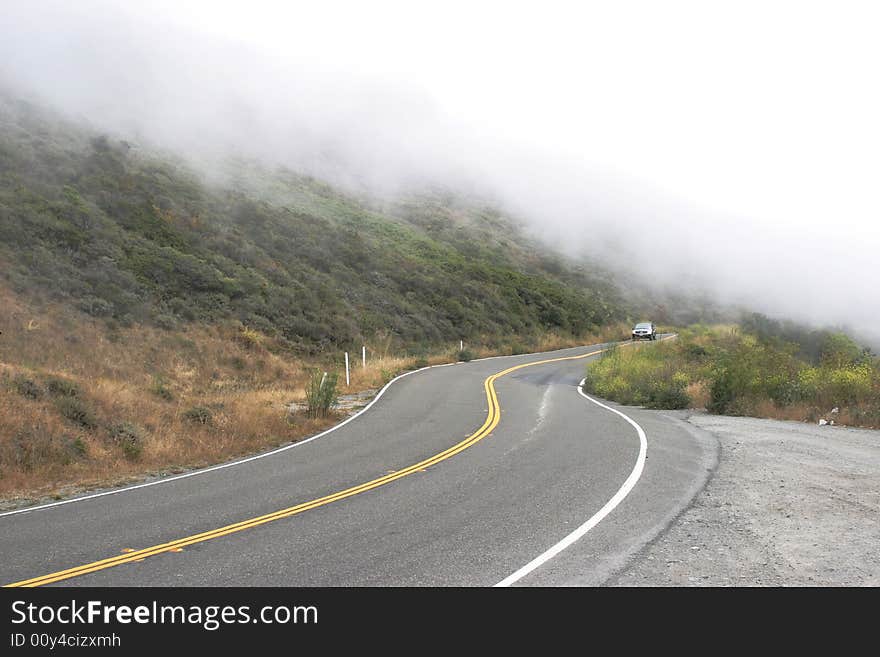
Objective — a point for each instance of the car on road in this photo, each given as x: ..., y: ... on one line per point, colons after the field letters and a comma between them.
x: 644, y: 331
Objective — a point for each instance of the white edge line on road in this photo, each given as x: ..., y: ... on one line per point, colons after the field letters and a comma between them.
x: 166, y: 480
x: 578, y: 533
x: 201, y: 471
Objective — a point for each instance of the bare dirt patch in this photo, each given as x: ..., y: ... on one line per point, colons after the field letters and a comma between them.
x: 790, y: 504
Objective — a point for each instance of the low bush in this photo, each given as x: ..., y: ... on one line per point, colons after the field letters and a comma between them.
x: 669, y: 392
x: 464, y: 355
x: 62, y: 388
x: 198, y: 415
x: 321, y: 393
x: 129, y: 437
x: 78, y: 412
x: 27, y: 388
x: 672, y: 397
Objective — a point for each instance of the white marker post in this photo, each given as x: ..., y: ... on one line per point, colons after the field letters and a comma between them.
x: 347, y: 379
x: 364, y: 357
x: 461, y: 345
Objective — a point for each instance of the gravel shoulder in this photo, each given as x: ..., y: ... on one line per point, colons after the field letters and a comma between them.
x: 789, y: 504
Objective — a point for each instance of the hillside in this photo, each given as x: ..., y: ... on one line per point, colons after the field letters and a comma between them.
x: 156, y: 319
x: 760, y: 367
x: 132, y: 237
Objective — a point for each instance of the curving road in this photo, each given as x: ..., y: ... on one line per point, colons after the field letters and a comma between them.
x: 453, y: 477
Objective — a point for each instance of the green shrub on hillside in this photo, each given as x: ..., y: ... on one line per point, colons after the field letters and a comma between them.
x: 742, y: 370
x: 321, y: 393
x: 62, y: 387
x: 198, y: 415
x: 129, y: 438
x: 638, y: 376
x: 132, y: 237
x: 27, y: 388
x: 77, y: 411
x: 465, y: 355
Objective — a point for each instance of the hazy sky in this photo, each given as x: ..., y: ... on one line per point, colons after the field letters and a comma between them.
x: 735, y: 144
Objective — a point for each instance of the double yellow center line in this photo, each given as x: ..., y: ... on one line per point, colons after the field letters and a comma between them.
x: 492, y: 420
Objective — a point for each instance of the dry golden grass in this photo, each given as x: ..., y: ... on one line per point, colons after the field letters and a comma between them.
x: 765, y: 408
x: 233, y: 373
x: 148, y: 379
x: 796, y: 412
x: 698, y: 393
x: 850, y: 417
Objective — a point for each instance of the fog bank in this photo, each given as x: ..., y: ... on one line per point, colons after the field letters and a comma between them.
x: 728, y: 149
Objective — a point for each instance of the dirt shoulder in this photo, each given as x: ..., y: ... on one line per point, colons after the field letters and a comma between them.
x: 790, y: 504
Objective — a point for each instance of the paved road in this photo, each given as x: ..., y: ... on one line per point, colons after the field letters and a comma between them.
x: 553, y: 461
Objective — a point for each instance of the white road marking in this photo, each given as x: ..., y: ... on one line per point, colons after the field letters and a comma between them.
x: 202, y: 471
x: 542, y: 411
x: 579, y: 533
x: 223, y: 465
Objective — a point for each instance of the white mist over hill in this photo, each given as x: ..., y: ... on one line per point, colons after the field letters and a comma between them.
x: 730, y: 148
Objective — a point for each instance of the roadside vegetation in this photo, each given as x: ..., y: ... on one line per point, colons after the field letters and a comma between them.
x: 760, y: 367
x: 85, y: 405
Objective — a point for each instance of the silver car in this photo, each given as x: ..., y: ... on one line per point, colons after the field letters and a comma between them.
x: 644, y: 331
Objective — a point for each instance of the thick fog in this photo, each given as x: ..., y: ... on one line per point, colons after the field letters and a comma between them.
x: 730, y: 148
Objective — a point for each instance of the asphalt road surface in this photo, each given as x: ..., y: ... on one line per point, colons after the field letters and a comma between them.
x: 497, y: 495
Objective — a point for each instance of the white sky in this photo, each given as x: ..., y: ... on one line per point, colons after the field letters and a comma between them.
x: 768, y: 109
x: 737, y: 141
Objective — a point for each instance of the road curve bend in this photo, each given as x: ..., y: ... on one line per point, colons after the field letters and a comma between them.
x: 497, y: 471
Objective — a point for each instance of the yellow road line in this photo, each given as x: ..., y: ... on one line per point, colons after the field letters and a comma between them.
x: 492, y: 420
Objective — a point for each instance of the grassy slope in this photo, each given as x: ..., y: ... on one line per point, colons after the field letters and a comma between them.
x: 139, y: 300
x: 761, y: 368
x: 138, y: 239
